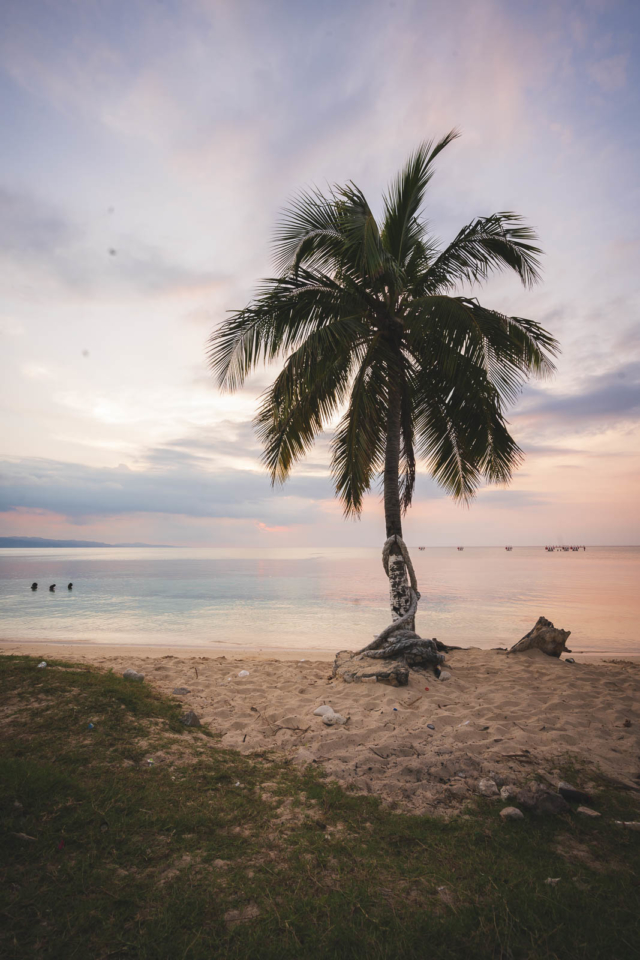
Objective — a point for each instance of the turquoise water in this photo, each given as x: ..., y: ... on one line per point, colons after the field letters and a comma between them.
x: 322, y: 599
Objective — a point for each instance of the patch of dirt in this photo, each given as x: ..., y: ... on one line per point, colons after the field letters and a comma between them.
x: 576, y: 852
x: 251, y: 911
x: 15, y: 709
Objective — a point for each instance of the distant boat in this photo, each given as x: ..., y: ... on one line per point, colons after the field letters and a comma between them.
x: 509, y: 548
x: 561, y: 549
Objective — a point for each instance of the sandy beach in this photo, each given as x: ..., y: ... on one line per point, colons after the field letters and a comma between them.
x: 423, y: 747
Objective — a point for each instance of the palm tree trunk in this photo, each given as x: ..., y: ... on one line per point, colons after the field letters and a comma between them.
x: 399, y: 590
x: 392, y: 512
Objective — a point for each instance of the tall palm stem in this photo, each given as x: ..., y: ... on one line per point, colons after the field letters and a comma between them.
x: 399, y: 591
x: 392, y: 511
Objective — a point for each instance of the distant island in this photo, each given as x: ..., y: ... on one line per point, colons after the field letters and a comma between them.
x: 43, y: 542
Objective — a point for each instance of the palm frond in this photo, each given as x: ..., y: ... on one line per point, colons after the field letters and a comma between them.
x: 402, y: 229
x: 461, y: 433
x: 461, y: 334
x: 307, y: 394
x: 501, y: 241
x: 308, y: 234
x: 279, y: 319
x: 357, y: 449
x: 362, y: 250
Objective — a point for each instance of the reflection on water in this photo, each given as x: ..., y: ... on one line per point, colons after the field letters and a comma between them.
x: 323, y: 599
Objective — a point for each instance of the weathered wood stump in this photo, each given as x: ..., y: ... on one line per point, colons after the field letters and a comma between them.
x: 544, y: 636
x: 352, y: 668
x: 409, y: 647
x: 389, y: 663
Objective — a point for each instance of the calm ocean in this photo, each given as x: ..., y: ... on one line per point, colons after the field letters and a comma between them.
x: 323, y: 599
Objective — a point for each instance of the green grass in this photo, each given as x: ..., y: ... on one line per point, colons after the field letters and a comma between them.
x: 125, y: 856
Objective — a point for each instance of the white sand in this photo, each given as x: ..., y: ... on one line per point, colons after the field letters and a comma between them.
x: 507, y: 716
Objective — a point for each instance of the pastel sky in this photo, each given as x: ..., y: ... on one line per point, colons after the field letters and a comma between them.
x: 147, y: 148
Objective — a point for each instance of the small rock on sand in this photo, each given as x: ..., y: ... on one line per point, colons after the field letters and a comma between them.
x: 133, y: 675
x: 190, y: 719
x: 541, y: 801
x: 459, y: 790
x: 332, y: 718
x: 512, y: 813
x: 487, y: 788
x: 323, y: 710
x: 181, y: 691
x: 508, y: 792
x: 572, y: 793
x: 292, y: 723
x: 444, y: 675
x: 588, y: 812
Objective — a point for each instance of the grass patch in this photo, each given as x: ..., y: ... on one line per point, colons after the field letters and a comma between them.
x: 203, y: 853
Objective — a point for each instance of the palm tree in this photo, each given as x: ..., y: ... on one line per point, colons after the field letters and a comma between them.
x: 366, y: 320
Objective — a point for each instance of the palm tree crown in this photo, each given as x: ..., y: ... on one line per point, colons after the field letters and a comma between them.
x: 366, y: 320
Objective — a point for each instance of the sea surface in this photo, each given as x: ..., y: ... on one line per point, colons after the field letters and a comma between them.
x: 320, y: 599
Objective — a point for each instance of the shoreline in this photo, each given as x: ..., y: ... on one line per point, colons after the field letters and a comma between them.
x: 98, y: 650
x: 92, y: 650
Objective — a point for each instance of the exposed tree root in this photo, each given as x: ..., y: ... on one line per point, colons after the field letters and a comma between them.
x: 398, y: 641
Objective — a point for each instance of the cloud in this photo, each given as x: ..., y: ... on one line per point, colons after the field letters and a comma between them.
x: 215, y: 473
x: 548, y: 450
x: 230, y: 438
x: 179, y: 485
x: 37, y: 237
x: 511, y: 499
x: 31, y: 226
x: 601, y: 400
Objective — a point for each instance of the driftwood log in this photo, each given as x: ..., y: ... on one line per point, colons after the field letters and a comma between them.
x: 544, y: 636
x: 398, y: 647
